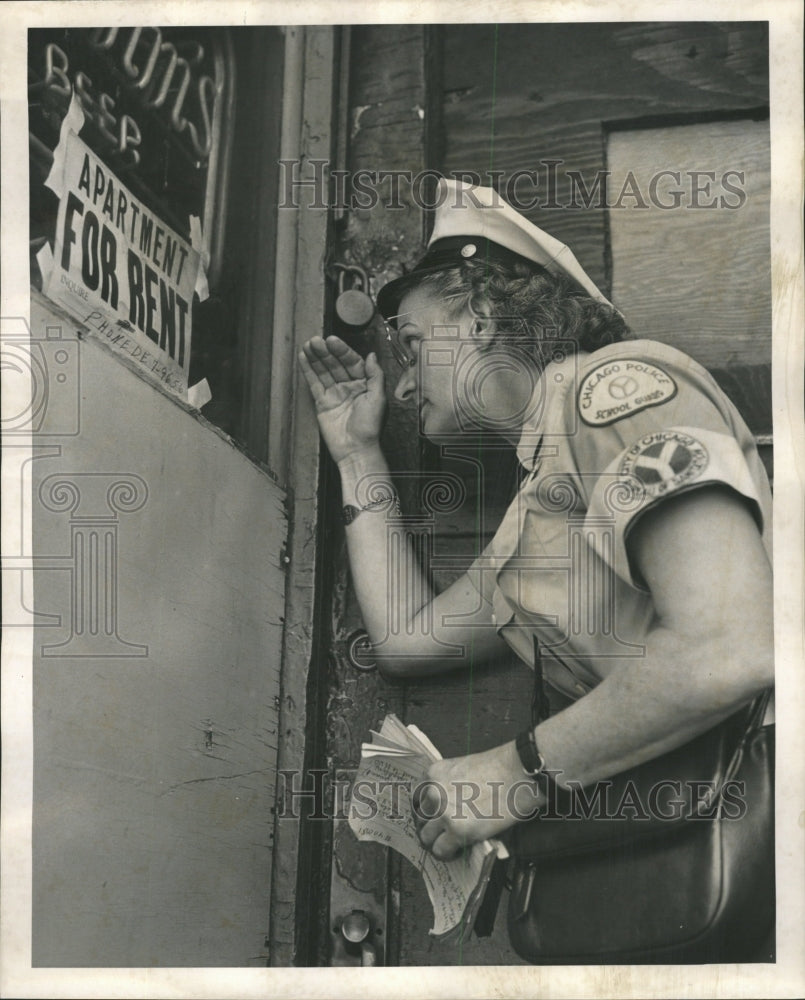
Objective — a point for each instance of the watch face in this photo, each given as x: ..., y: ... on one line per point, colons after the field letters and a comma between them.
x: 349, y: 513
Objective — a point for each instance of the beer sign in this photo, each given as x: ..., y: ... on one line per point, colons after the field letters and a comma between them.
x: 117, y: 267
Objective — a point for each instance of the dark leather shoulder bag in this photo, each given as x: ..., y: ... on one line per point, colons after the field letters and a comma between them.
x: 683, y: 871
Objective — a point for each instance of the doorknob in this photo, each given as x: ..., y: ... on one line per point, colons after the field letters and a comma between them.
x: 356, y: 929
x: 359, y: 906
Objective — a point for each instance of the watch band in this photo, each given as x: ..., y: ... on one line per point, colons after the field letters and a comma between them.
x: 557, y: 800
x: 349, y: 512
x: 532, y: 760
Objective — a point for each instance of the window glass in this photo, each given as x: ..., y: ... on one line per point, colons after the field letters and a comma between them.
x: 188, y: 120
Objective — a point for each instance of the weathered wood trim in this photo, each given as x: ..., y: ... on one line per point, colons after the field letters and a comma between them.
x: 308, y: 317
x: 282, y: 342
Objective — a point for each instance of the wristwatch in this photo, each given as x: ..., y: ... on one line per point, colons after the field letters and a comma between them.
x: 532, y: 760
x: 557, y: 801
x: 350, y: 512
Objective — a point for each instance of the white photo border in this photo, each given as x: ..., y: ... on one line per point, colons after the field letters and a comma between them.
x: 786, y: 977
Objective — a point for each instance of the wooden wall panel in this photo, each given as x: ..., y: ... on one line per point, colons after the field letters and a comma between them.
x: 154, y: 764
x: 521, y: 94
x: 697, y: 275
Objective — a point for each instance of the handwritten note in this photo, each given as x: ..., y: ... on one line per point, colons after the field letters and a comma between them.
x: 392, y: 766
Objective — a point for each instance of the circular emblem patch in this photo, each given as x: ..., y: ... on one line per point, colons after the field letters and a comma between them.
x: 618, y: 389
x: 664, y: 461
x: 622, y: 386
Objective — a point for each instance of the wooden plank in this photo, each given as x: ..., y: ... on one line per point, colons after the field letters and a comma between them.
x: 555, y: 85
x: 749, y: 388
x: 297, y: 717
x: 154, y: 767
x: 687, y: 270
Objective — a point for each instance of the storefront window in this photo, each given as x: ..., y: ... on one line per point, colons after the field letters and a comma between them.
x: 186, y: 121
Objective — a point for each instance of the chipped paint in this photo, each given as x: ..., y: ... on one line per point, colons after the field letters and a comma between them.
x: 357, y: 114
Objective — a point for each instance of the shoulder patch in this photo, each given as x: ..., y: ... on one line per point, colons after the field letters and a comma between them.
x: 620, y: 388
x: 664, y: 461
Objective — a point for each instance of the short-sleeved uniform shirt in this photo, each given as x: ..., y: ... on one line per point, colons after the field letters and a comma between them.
x: 608, y: 436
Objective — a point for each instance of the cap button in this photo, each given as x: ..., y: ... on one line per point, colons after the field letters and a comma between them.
x: 468, y: 250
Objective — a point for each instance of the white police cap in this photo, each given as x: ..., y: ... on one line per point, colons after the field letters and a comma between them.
x: 474, y: 222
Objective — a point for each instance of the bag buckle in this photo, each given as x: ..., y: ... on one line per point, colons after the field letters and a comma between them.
x: 523, y: 889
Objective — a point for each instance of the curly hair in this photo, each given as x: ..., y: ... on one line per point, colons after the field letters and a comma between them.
x: 525, y: 296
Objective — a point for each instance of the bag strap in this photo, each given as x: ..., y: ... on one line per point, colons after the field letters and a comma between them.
x: 755, y: 713
x: 754, y: 723
x: 487, y: 912
x: 540, y: 706
x: 758, y: 710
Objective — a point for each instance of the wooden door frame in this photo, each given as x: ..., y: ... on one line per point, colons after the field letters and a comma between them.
x: 391, y: 136
x: 301, y: 303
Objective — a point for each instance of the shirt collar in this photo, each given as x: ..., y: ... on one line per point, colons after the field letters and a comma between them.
x: 532, y: 431
x: 554, y: 382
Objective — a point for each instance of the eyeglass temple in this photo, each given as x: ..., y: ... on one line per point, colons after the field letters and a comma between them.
x: 400, y: 356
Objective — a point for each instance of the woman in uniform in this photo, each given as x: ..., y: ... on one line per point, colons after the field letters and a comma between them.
x: 635, y: 467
